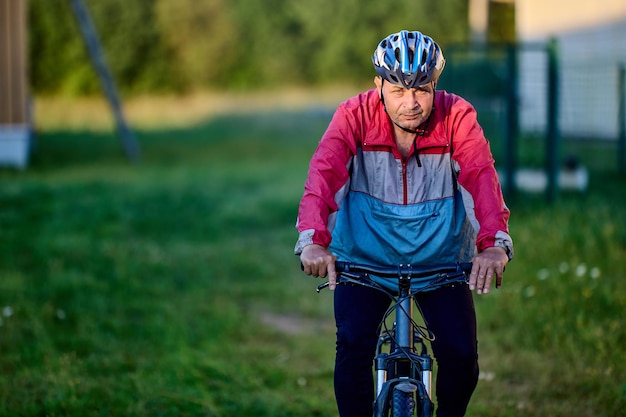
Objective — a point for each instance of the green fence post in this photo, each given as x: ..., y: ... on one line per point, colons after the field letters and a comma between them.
x: 512, y: 123
x: 621, y: 118
x: 552, y: 140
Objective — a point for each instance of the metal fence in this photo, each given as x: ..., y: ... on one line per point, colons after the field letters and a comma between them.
x: 542, y: 93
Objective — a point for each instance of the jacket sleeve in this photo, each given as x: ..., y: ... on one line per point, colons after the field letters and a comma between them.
x: 328, y: 175
x: 477, y: 175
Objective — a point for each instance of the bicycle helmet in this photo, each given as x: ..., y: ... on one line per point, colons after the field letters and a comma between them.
x: 409, y: 59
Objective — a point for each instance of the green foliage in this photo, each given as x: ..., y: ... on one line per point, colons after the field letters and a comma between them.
x: 161, y: 288
x: 134, y: 45
x: 133, y: 48
x: 58, y: 59
x: 201, y: 35
x: 174, y: 45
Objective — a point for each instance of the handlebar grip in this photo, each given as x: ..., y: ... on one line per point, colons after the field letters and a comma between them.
x: 466, y: 267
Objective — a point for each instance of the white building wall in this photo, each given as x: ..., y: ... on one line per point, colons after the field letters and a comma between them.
x: 592, y: 44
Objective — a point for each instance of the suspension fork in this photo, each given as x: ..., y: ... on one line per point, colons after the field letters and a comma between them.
x: 404, y: 336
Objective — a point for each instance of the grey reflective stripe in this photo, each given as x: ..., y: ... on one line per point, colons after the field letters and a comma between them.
x: 380, y: 175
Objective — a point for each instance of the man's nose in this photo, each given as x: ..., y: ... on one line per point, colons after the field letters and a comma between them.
x: 412, y: 101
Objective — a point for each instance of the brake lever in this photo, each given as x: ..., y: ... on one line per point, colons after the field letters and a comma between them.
x: 322, y: 286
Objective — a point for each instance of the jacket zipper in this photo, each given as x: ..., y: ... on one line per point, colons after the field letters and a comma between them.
x: 405, y: 184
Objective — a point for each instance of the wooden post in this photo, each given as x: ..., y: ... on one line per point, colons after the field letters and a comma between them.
x: 14, y: 109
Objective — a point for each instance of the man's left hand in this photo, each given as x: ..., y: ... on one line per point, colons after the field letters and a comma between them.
x: 488, y: 264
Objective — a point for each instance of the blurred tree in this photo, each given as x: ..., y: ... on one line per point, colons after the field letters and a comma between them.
x: 136, y: 55
x: 326, y: 41
x: 175, y: 45
x: 133, y: 44
x: 203, y: 37
x: 58, y: 59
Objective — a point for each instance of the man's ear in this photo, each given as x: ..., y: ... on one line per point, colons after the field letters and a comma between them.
x: 379, y: 85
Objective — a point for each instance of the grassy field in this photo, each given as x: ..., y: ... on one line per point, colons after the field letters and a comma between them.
x: 169, y: 288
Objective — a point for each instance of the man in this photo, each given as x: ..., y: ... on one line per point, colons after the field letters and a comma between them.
x: 404, y: 175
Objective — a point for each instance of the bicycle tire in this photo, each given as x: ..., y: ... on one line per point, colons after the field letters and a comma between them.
x: 403, y: 400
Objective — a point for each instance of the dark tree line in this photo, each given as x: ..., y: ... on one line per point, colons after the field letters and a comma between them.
x: 182, y: 45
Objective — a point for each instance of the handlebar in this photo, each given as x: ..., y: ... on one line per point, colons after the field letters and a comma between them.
x: 403, y: 270
x: 446, y: 274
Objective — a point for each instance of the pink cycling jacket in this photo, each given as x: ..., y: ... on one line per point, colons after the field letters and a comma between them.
x: 368, y: 204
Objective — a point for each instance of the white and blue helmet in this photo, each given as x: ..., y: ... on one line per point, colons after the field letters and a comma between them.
x: 409, y: 59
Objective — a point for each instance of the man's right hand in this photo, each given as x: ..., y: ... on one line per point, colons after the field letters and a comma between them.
x: 319, y: 262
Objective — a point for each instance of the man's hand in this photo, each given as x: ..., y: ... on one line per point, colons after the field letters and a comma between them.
x: 488, y: 263
x: 318, y: 262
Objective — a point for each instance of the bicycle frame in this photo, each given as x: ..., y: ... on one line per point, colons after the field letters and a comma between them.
x: 402, y: 343
x: 411, y: 370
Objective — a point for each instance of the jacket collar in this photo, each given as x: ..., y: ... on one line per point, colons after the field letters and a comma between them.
x: 380, y: 130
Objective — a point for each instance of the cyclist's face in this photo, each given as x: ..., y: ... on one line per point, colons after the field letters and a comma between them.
x: 408, y: 108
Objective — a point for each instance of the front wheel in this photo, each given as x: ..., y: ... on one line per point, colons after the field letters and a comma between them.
x: 403, y: 400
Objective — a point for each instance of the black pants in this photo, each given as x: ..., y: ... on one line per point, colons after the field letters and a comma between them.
x: 449, y: 314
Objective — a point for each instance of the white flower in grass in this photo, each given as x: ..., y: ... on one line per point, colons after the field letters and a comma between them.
x: 302, y: 381
x: 563, y: 267
x: 595, y: 272
x: 7, y: 311
x: 529, y: 291
x: 543, y: 274
x: 60, y: 314
x: 581, y: 270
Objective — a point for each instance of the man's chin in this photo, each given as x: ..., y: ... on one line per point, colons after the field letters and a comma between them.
x: 411, y: 126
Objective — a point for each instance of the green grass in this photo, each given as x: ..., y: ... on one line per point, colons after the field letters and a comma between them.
x: 148, y: 289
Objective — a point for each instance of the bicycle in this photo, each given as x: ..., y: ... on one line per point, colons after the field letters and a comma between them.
x: 403, y: 366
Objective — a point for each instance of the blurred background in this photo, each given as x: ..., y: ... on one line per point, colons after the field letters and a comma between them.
x: 152, y: 156
x: 535, y: 71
